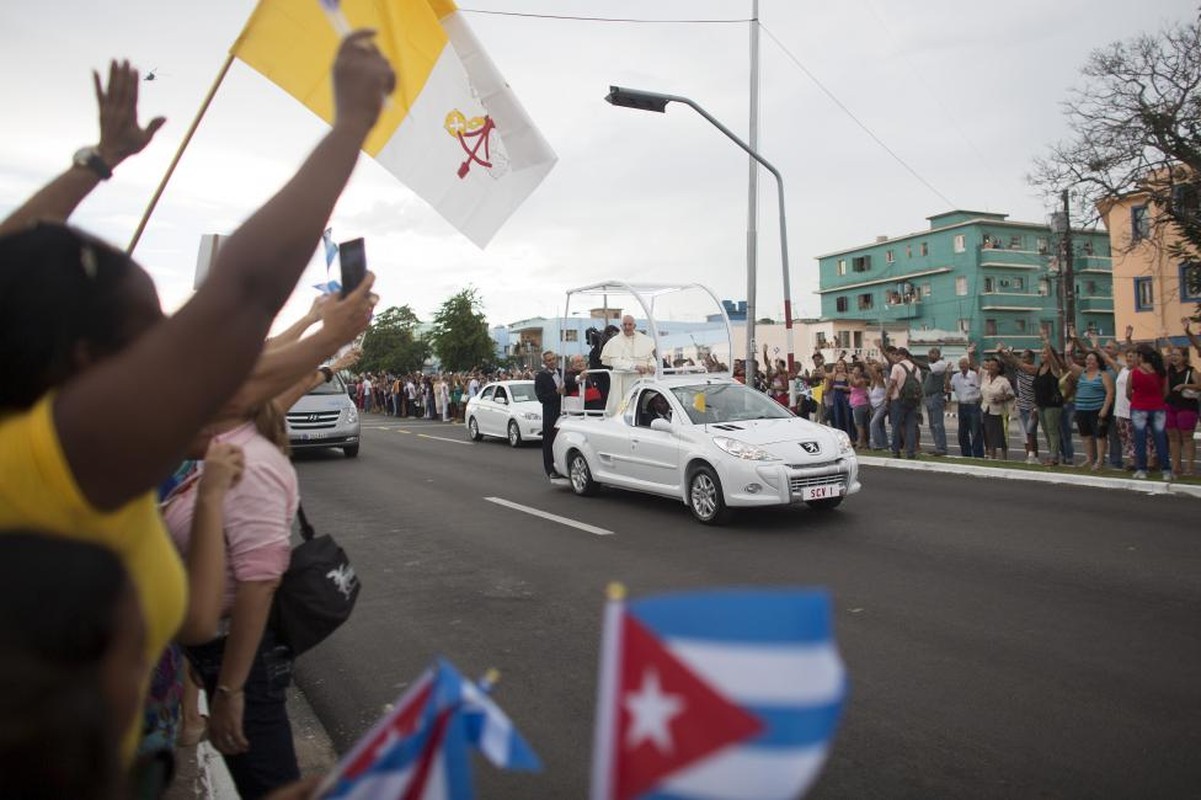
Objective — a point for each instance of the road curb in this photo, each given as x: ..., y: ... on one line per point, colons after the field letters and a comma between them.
x: 950, y: 465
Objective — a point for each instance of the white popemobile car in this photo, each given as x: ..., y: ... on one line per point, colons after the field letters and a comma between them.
x: 506, y: 410
x: 701, y: 437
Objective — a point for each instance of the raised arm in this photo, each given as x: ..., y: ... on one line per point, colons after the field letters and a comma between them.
x: 315, y: 378
x: 281, y: 368
x: 1192, y: 337
x: 120, y: 138
x: 298, y: 328
x: 197, y: 359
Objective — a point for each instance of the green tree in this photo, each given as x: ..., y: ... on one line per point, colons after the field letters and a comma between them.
x: 1136, y: 127
x: 460, y: 334
x: 391, y: 343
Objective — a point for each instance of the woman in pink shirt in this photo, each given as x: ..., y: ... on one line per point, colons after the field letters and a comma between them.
x: 1146, y: 389
x: 245, y: 671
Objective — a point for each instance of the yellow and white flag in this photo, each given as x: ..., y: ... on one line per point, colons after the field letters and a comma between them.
x: 454, y: 132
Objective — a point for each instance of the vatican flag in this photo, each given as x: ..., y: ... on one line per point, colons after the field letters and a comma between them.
x: 453, y: 132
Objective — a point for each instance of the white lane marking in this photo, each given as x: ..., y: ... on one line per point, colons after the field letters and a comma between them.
x: 442, y: 439
x: 500, y: 501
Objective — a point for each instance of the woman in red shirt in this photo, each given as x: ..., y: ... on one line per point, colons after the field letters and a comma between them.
x: 1146, y: 389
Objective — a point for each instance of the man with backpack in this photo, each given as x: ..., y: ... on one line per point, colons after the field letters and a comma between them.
x: 905, y: 396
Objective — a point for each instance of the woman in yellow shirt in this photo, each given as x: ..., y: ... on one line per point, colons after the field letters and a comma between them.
x: 102, y: 393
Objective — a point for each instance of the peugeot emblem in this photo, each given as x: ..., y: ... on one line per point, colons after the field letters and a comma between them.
x: 811, y: 448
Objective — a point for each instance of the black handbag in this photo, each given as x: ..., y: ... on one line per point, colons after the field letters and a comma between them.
x: 316, y: 594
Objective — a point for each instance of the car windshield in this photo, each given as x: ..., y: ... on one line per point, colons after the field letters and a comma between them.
x: 522, y: 392
x: 335, y: 386
x: 727, y: 402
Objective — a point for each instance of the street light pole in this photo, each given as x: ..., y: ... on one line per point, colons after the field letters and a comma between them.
x: 654, y: 101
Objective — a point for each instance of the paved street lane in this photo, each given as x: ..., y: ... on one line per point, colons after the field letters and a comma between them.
x: 1003, y: 639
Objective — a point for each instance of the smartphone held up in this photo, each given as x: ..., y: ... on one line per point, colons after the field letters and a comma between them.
x: 352, y: 255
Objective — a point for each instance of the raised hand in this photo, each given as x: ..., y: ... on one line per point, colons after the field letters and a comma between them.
x: 347, y: 317
x: 362, y: 79
x: 120, y: 134
x: 1129, y: 332
x: 223, y: 466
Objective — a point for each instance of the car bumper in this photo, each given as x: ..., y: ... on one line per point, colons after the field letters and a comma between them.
x: 751, y: 484
x: 317, y: 439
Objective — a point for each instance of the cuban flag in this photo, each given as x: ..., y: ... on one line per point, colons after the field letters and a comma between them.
x: 716, y: 695
x: 420, y: 749
x: 331, y: 249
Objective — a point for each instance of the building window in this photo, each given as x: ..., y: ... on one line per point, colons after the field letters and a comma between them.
x: 820, y: 341
x: 989, y: 286
x: 1044, y: 287
x: 842, y: 266
x: 1042, y: 245
x: 990, y: 327
x: 1020, y: 325
x: 1190, y: 281
x: 908, y: 251
x: 1018, y: 283
x: 840, y: 303
x: 925, y: 248
x: 961, y: 286
x: 1140, y: 223
x: 1016, y: 242
x: 1090, y: 287
x: 861, y: 263
x: 865, y: 301
x: 965, y: 325
x: 1144, y: 294
x: 926, y: 290
x: 570, y: 335
x: 1186, y: 199
x: 1046, y: 328
x: 960, y: 243
x: 889, y: 257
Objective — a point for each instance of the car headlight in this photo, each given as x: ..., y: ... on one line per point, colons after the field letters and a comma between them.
x: 844, y: 443
x: 352, y: 414
x: 533, y: 416
x: 740, y: 449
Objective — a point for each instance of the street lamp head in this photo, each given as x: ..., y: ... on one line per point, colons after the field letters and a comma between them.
x: 633, y: 98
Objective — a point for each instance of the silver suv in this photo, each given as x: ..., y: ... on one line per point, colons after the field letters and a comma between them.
x: 325, y: 417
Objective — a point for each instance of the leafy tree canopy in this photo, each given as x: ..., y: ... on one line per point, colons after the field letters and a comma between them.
x: 460, y: 332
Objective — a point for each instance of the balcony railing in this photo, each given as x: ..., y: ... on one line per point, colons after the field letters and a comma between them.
x: 997, y: 301
x: 1086, y: 263
x: 1094, y: 305
x: 1012, y: 259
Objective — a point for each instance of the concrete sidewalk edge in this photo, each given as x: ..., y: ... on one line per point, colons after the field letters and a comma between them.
x: 1096, y: 480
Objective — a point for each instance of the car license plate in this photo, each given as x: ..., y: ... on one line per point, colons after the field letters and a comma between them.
x: 821, y: 492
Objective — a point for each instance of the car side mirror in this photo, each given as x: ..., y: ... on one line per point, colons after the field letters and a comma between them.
x: 504, y: 401
x: 661, y: 425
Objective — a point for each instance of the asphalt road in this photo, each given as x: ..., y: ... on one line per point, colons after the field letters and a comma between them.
x: 1002, y: 639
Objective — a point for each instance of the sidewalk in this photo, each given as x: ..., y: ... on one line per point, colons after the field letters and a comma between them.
x: 200, y: 773
x: 956, y: 465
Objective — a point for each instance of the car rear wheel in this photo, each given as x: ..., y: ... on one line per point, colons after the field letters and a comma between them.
x: 473, y: 430
x: 351, y: 451
x: 705, y: 498
x: 825, y: 504
x: 514, y: 434
x: 580, y: 475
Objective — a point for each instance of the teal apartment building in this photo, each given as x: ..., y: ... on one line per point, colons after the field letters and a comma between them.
x: 972, y: 276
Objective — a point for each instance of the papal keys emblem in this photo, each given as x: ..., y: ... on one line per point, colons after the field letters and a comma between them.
x: 475, y: 137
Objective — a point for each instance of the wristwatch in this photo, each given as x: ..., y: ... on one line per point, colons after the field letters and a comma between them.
x: 90, y: 158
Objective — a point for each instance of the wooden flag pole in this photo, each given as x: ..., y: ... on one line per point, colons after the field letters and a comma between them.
x: 179, y: 154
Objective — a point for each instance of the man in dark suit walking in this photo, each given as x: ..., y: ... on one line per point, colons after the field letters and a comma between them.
x: 548, y: 386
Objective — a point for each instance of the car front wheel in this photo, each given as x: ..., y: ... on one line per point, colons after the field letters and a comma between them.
x: 351, y: 451
x: 705, y: 499
x: 580, y: 475
x: 473, y: 430
x: 514, y: 434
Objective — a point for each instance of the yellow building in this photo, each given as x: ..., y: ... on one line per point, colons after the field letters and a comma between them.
x: 1150, y: 285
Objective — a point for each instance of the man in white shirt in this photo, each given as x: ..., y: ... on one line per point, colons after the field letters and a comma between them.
x: 965, y: 385
x: 631, y: 350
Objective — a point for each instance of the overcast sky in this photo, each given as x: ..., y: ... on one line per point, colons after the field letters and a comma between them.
x: 966, y: 93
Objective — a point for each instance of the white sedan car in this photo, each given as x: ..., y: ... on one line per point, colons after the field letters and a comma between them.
x: 506, y: 410
x: 710, y: 442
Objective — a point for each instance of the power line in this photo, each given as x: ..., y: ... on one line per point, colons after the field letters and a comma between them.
x: 605, y: 19
x: 863, y: 126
